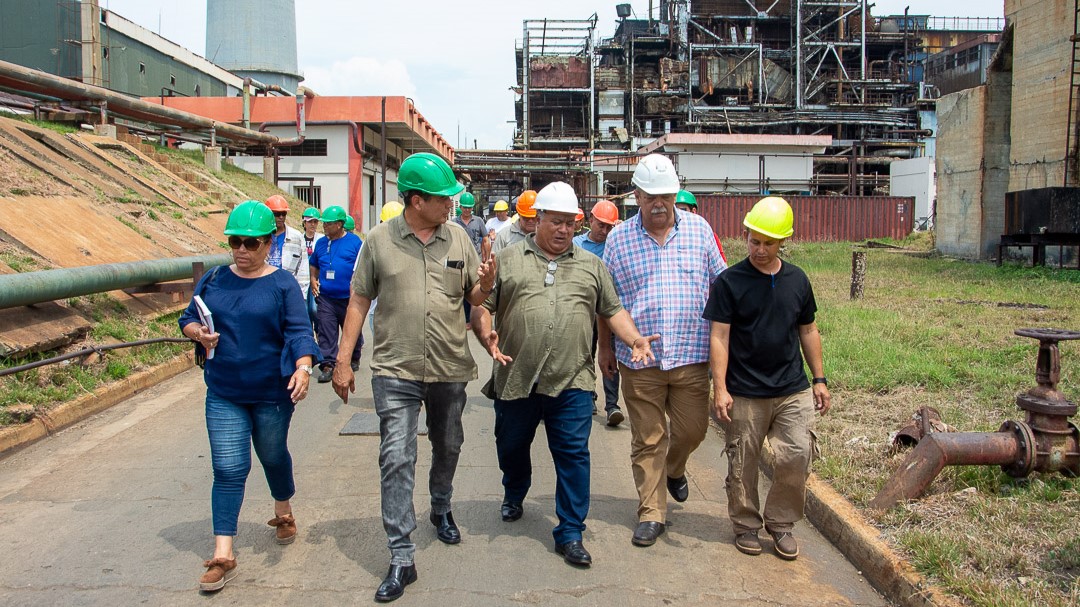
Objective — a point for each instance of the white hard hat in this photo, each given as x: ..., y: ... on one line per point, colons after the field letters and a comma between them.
x: 656, y: 175
x: 558, y: 197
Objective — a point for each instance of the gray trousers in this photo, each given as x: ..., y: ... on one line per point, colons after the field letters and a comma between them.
x: 397, y: 402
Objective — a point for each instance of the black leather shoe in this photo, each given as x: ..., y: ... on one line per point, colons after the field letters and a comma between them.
x: 445, y: 528
x: 397, y: 578
x: 574, y: 553
x: 647, y: 532
x: 326, y: 375
x: 678, y: 488
x: 511, y: 511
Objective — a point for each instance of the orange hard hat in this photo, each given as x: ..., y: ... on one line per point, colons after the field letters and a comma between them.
x: 580, y: 215
x: 525, y: 204
x: 278, y: 203
x: 606, y: 211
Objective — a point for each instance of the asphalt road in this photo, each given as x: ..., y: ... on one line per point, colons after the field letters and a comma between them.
x: 116, y: 511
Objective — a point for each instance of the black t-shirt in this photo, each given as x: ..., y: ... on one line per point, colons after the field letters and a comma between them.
x: 765, y: 312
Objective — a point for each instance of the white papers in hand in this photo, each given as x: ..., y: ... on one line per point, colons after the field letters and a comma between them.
x: 206, y: 319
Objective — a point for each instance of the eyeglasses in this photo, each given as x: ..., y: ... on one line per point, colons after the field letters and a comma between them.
x: 249, y: 243
x: 281, y: 213
x: 549, y: 278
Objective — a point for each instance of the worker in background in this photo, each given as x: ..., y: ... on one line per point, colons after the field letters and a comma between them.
x: 350, y: 224
x: 547, y: 292
x: 420, y: 269
x: 525, y: 225
x: 311, y: 235
x: 761, y: 312
x: 332, y: 264
x: 287, y: 245
x: 601, y: 220
x: 579, y: 221
x: 477, y: 231
x: 686, y: 201
x: 500, y: 220
x: 389, y: 211
x: 662, y: 263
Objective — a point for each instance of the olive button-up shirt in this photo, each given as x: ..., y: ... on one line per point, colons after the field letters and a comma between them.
x: 419, y: 331
x: 545, y: 311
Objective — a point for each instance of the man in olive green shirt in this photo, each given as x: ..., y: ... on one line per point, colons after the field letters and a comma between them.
x: 421, y: 270
x: 546, y: 295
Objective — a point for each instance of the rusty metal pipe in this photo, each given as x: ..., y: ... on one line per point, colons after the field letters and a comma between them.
x: 938, y: 450
x: 21, y: 78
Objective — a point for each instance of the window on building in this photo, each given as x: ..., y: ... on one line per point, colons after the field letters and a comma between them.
x: 310, y: 194
x: 142, y: 67
x: 172, y: 80
x: 310, y: 147
x: 198, y: 91
x: 105, y: 52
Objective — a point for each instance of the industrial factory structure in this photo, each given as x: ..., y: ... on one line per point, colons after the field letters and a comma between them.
x: 782, y: 96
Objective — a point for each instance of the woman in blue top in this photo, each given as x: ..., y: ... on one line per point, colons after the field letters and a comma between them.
x: 258, y: 364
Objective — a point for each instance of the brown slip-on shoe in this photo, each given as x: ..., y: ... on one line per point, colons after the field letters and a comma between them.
x: 286, y: 528
x: 218, y: 571
x: 785, y: 545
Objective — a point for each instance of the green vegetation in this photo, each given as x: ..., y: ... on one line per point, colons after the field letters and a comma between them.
x: 932, y: 331
x: 47, y: 386
x: 134, y: 228
x: 20, y: 262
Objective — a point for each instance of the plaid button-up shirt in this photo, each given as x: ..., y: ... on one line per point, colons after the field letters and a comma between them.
x: 665, y: 287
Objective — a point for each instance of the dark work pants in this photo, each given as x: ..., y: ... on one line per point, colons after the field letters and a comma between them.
x: 568, y: 422
x: 611, y: 386
x: 329, y: 319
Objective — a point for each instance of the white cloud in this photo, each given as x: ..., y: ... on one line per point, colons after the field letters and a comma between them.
x: 358, y: 76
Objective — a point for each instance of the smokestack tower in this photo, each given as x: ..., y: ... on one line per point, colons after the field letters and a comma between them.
x: 254, y: 38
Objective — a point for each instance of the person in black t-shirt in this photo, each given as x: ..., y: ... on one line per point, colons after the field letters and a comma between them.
x: 762, y: 324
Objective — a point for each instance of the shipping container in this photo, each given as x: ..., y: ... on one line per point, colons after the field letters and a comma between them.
x: 819, y: 218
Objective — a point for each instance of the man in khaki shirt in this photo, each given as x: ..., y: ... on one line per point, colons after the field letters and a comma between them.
x: 421, y: 270
x: 546, y: 296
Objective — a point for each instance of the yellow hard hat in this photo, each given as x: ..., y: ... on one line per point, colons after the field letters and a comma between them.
x: 772, y: 217
x: 501, y: 206
x: 391, y: 210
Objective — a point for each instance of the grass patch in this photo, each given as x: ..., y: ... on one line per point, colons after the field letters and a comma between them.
x: 45, y: 387
x: 933, y: 331
x: 20, y: 262
x: 135, y: 228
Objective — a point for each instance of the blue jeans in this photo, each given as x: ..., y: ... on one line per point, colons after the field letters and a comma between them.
x: 330, y: 318
x: 568, y: 422
x: 234, y: 428
x: 397, y: 401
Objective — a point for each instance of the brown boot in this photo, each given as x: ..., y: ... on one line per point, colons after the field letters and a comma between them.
x: 785, y: 545
x: 286, y: 528
x: 218, y: 571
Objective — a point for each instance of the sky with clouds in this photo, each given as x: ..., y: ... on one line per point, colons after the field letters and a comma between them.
x: 454, y: 59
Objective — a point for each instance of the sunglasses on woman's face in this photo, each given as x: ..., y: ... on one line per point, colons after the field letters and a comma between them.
x: 251, y: 244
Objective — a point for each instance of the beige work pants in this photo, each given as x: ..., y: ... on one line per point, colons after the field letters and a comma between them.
x: 786, y: 421
x: 669, y: 415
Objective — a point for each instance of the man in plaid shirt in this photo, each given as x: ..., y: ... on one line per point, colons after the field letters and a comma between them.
x: 662, y: 262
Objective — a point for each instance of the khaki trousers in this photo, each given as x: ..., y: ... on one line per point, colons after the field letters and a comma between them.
x: 669, y: 415
x: 786, y: 421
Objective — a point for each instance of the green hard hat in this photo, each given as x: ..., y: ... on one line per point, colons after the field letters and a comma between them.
x: 312, y: 212
x: 350, y: 223
x: 685, y: 197
x: 467, y: 200
x: 250, y: 218
x: 334, y: 213
x: 429, y: 174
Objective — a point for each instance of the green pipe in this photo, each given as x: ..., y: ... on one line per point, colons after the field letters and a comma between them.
x: 50, y: 285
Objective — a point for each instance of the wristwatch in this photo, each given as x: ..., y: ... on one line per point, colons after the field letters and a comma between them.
x: 821, y: 380
x: 306, y: 369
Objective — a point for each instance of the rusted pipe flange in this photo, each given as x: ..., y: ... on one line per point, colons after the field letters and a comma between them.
x: 1048, y: 334
x: 1025, y: 452
x: 1035, y: 404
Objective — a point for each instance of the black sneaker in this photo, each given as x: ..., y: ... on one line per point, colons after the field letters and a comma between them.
x: 326, y: 375
x: 678, y: 488
x: 615, y: 417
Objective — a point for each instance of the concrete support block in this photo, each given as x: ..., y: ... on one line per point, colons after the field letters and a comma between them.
x: 212, y: 158
x: 268, y: 170
x: 105, y: 130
